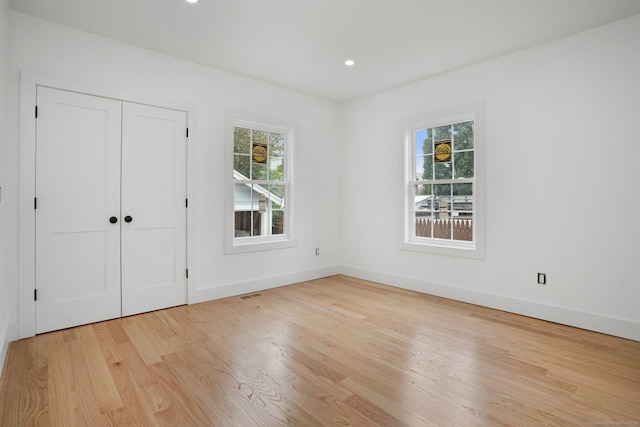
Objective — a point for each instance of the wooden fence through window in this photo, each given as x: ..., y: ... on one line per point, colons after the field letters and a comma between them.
x: 442, y: 228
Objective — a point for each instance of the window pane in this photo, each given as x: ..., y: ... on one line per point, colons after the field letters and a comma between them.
x: 242, y: 224
x: 442, y: 194
x: 276, y: 202
x: 424, y: 209
x: 426, y: 168
x: 423, y: 197
x: 442, y: 189
x: 462, y: 207
x: 241, y: 140
x: 419, y: 168
x: 424, y: 143
x: 462, y: 200
x: 442, y: 132
x: 259, y: 171
x: 462, y: 212
x: 276, y: 145
x: 442, y: 221
x: 442, y: 170
x: 277, y: 195
x: 241, y: 164
x: 464, y: 164
x: 463, y: 229
x: 260, y: 137
x: 276, y: 169
x: 277, y: 222
x: 242, y: 197
x: 463, y: 136
x: 246, y: 208
x: 422, y: 190
x: 463, y: 189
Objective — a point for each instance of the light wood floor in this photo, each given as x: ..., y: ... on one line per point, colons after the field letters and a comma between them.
x: 334, y: 352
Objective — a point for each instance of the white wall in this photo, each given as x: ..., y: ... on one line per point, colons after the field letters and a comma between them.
x: 562, y: 156
x: 42, y: 47
x: 5, y: 303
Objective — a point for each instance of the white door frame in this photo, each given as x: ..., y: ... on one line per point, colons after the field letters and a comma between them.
x: 28, y: 83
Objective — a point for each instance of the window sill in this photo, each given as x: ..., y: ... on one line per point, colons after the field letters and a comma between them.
x: 471, y: 251
x: 246, y: 245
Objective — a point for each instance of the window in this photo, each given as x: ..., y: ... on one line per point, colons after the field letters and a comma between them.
x: 262, y: 187
x: 442, y: 188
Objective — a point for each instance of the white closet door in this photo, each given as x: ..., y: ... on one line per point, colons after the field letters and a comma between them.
x: 78, y: 191
x: 154, y: 147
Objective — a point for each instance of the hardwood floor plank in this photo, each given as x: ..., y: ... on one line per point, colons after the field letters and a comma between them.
x: 323, y: 399
x: 207, y: 380
x: 184, y: 407
x: 374, y: 414
x: 107, y: 343
x: 116, y: 330
x: 140, y: 371
x: 134, y: 410
x: 34, y: 405
x: 12, y: 385
x: 169, y: 417
x: 140, y: 340
x: 96, y: 375
x: 62, y: 387
x: 337, y: 351
x: 155, y: 400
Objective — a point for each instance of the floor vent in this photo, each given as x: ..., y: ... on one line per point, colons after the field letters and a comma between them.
x: 250, y: 296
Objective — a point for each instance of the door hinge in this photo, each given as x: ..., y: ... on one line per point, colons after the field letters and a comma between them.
x: 187, y: 132
x: 35, y: 203
x: 36, y: 111
x: 187, y: 273
x: 35, y: 295
x: 186, y: 203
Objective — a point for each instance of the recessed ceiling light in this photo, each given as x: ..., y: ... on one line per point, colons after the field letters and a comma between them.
x: 192, y: 1
x: 349, y: 62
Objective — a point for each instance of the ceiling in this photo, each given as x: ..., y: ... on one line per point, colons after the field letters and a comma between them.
x: 302, y: 44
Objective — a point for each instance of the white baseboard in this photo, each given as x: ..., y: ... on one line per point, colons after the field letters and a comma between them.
x: 240, y: 288
x: 8, y: 334
x: 623, y: 328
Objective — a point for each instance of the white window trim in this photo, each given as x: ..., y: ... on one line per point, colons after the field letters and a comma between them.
x: 473, y: 249
x: 233, y: 244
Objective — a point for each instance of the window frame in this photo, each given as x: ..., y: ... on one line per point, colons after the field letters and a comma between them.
x: 475, y: 248
x: 234, y: 244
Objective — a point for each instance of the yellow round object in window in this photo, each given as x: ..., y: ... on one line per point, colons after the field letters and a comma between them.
x: 259, y: 153
x: 443, y: 151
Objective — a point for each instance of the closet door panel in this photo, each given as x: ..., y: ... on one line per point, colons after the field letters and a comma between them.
x: 154, y: 148
x: 78, y: 191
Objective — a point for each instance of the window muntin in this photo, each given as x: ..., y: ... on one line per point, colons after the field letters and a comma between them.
x: 441, y: 207
x: 261, y: 184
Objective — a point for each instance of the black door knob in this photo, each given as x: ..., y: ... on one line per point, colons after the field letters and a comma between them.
x: 113, y: 220
x: 128, y: 218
